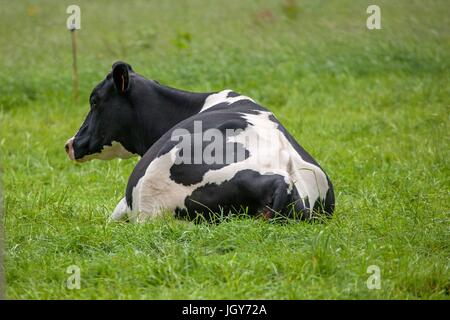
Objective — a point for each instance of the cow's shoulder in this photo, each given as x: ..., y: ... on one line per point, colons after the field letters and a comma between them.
x: 223, y: 99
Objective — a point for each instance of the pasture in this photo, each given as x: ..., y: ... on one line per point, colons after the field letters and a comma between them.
x: 372, y: 106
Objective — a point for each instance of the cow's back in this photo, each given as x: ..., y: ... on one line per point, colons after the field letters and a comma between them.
x: 157, y: 182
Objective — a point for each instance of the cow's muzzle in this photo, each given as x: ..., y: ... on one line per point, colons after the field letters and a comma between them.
x: 69, y: 148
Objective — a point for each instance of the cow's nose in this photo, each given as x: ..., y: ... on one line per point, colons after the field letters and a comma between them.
x: 69, y: 149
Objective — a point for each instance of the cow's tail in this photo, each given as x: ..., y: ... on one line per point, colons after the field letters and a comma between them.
x: 312, y: 190
x: 121, y: 211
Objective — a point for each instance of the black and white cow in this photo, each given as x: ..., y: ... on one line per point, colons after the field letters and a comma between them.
x: 131, y: 115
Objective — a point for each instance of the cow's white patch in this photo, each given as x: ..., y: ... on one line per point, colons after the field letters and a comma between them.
x: 69, y: 146
x: 221, y: 97
x: 115, y: 150
x: 310, y: 181
x: 155, y: 192
x: 121, y: 211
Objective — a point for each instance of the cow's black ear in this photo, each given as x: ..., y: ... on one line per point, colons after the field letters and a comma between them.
x: 121, y: 76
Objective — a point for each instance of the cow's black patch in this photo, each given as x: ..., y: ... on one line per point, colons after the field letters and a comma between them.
x: 191, y: 173
x: 232, y: 94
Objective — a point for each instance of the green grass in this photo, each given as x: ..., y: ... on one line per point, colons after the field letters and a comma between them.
x: 371, y: 106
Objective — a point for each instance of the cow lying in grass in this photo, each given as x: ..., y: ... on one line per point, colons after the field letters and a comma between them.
x: 202, y: 153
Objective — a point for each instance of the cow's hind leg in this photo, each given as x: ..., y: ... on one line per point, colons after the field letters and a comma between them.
x: 268, y: 195
x: 282, y: 199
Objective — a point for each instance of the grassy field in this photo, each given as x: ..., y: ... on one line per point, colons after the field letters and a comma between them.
x: 371, y: 106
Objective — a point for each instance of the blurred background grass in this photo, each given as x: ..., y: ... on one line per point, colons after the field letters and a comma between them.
x: 260, y: 47
x: 371, y: 106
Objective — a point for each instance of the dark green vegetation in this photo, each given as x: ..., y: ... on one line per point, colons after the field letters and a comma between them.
x: 371, y: 106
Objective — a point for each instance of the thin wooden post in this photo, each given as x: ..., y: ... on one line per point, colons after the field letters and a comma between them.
x: 73, y: 23
x: 74, y: 65
x: 2, y: 247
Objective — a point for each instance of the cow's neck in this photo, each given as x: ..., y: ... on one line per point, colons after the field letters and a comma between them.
x: 162, y: 108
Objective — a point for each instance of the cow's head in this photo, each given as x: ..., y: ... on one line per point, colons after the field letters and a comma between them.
x: 105, y: 133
